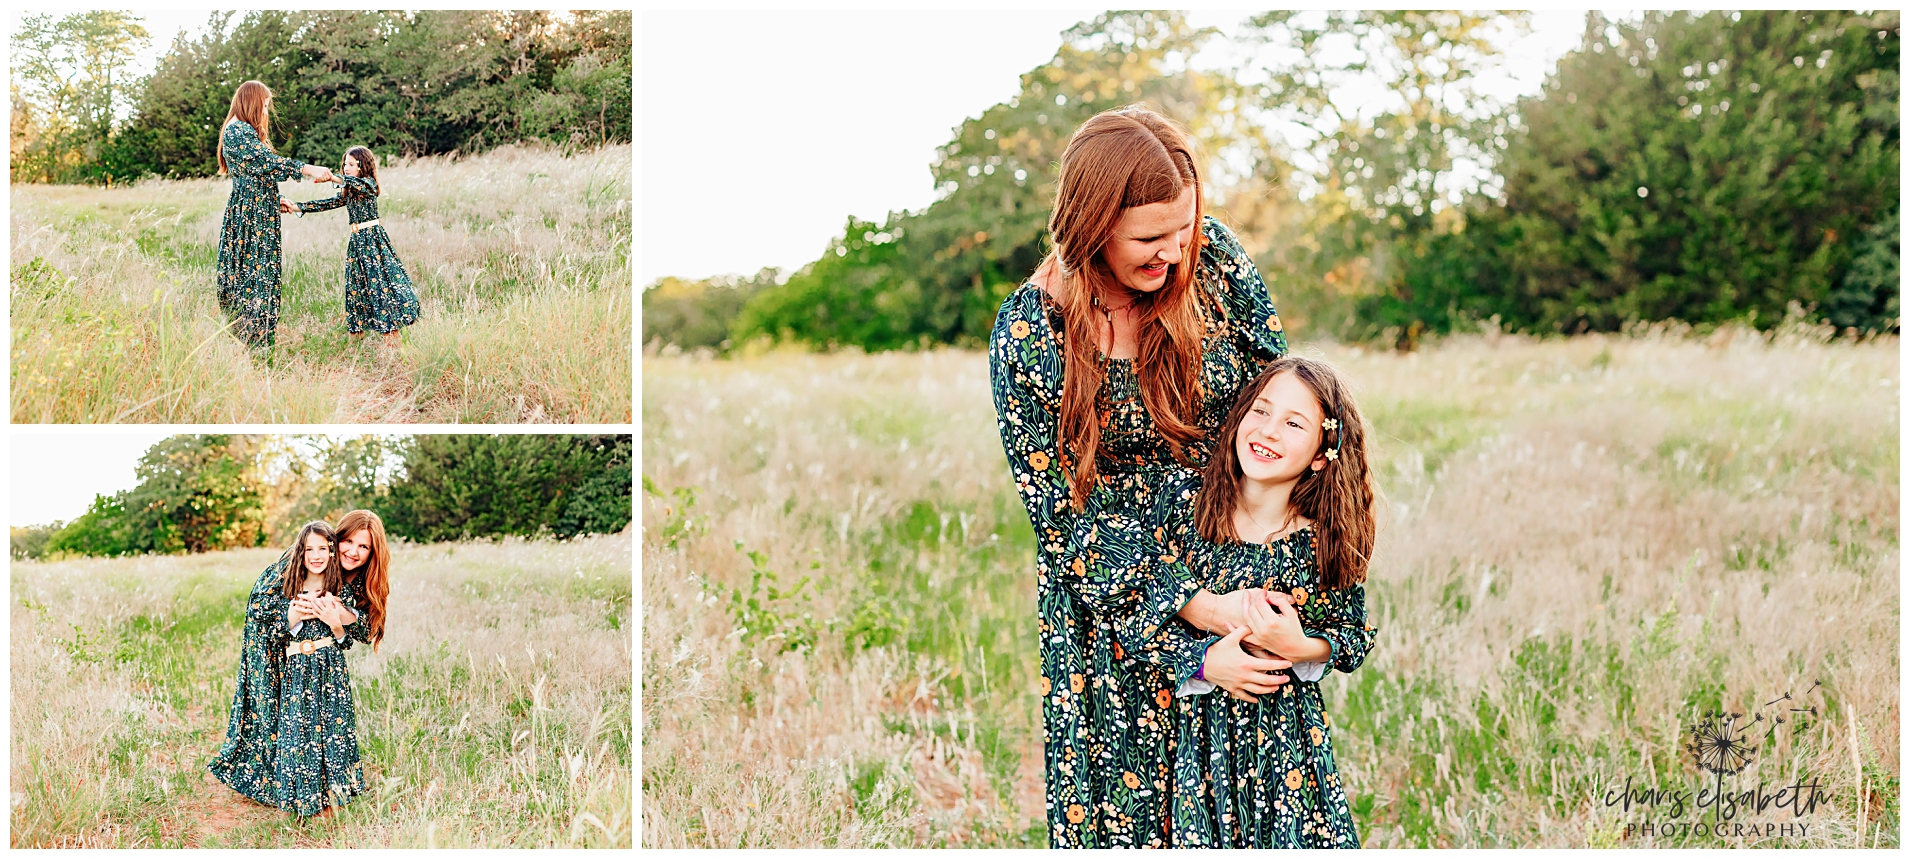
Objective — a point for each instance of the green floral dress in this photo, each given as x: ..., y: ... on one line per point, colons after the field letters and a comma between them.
x: 248, y: 761
x: 317, y: 761
x: 249, y: 253
x: 1105, y: 715
x: 1256, y: 774
x: 378, y: 294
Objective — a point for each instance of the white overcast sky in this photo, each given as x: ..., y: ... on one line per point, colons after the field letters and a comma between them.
x: 763, y: 132
x: 55, y: 476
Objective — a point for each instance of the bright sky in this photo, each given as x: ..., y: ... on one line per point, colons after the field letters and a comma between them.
x: 763, y: 132
x: 55, y: 476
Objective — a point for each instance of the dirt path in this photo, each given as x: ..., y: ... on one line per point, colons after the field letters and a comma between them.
x: 214, y: 811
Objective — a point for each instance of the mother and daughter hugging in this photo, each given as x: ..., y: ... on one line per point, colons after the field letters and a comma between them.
x: 1202, y: 509
x: 378, y: 293
x: 292, y: 736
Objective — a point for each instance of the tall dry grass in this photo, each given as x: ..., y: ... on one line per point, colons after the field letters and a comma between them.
x: 520, y: 257
x: 496, y: 713
x: 1587, y: 545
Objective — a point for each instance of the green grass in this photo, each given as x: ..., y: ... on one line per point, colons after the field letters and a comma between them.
x: 1587, y: 545
x: 496, y: 713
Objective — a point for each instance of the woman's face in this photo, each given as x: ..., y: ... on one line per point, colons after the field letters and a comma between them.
x: 355, y: 550
x: 318, y: 552
x: 1280, y: 435
x: 351, y: 166
x: 1148, y: 239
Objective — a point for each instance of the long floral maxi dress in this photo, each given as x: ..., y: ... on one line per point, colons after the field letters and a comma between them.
x: 317, y: 763
x: 1258, y: 774
x: 1106, y: 729
x: 248, y: 759
x: 378, y: 294
x: 250, y: 262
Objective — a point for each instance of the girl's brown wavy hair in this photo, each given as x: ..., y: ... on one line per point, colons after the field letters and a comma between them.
x: 248, y: 106
x: 1339, y: 499
x: 1118, y: 160
x: 294, y: 575
x: 376, y: 571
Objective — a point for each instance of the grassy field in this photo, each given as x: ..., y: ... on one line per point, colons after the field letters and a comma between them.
x: 520, y: 257
x: 496, y: 714
x: 1586, y: 546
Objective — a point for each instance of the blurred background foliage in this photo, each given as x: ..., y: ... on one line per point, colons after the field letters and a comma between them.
x: 1708, y: 168
x: 401, y: 83
x: 205, y: 493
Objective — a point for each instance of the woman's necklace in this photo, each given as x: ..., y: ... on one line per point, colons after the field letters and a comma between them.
x: 1107, y: 313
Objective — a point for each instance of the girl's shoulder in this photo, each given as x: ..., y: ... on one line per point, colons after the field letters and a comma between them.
x: 238, y: 128
x: 365, y: 187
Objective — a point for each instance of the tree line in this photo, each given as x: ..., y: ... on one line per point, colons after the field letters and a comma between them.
x: 401, y: 83
x: 205, y: 493
x: 1708, y: 168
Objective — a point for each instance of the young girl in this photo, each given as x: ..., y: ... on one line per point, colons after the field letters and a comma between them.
x: 1282, y: 518
x: 378, y: 292
x: 317, y: 757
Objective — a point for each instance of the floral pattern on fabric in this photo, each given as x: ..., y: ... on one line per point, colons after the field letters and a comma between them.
x: 317, y: 759
x: 378, y: 293
x: 1105, y: 711
x: 246, y: 761
x: 1261, y: 774
x: 250, y: 261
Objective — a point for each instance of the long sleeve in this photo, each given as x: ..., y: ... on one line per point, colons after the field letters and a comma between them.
x: 1025, y: 365
x: 1339, y: 619
x: 1249, y: 308
x: 356, y: 630
x: 267, y: 605
x: 332, y: 202
x: 246, y: 155
x: 1133, y: 572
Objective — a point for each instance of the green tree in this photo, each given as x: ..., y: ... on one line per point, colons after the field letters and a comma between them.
x: 699, y: 313
x: 68, y: 84
x: 103, y: 530
x: 1702, y: 167
x: 196, y: 493
x: 31, y: 542
x: 458, y: 487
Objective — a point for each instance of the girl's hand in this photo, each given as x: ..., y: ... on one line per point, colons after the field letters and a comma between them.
x: 302, y: 610
x: 1275, y: 623
x: 1218, y: 613
x: 1243, y: 676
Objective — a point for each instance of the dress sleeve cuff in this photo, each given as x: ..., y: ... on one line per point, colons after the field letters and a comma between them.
x: 1194, y: 686
x: 1332, y: 652
x: 1311, y: 672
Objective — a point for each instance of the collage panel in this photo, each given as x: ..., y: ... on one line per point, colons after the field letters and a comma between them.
x: 320, y: 640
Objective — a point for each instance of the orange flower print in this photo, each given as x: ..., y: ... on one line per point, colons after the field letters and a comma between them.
x: 1164, y: 698
x: 1315, y: 735
x: 1299, y: 596
x: 1046, y: 686
x: 1273, y: 323
x: 1131, y: 780
x: 1038, y: 460
x: 1293, y: 779
x: 1076, y: 681
x: 1119, y: 653
x: 1019, y: 329
x: 1076, y: 813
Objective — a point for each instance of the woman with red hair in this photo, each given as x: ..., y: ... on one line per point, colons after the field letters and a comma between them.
x: 250, y: 260
x: 1112, y: 367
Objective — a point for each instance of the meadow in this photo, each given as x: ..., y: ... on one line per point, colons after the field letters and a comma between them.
x: 520, y: 257
x: 1587, y: 545
x: 496, y: 713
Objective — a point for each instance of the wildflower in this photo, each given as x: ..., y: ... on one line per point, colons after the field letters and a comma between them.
x: 1018, y: 329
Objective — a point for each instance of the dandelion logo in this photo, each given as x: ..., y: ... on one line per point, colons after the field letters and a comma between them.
x: 1718, y: 746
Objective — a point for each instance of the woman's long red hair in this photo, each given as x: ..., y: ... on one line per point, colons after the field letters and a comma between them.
x: 1118, y: 160
x: 376, y: 571
x: 248, y: 106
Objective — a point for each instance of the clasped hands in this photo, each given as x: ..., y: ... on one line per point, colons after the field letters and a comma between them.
x: 325, y: 608
x: 1263, y: 635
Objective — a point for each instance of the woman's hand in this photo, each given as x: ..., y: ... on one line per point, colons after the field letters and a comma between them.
x: 316, y: 173
x: 1276, y: 629
x: 1218, y: 613
x: 1242, y: 675
x: 302, y: 610
x: 285, y: 206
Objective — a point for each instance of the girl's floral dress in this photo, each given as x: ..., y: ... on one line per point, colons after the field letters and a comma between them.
x: 317, y: 761
x: 248, y: 761
x: 378, y: 294
x: 1106, y: 716
x: 249, y: 251
x: 1259, y: 774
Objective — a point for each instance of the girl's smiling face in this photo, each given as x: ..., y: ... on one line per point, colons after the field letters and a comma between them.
x: 351, y: 166
x: 1280, y: 436
x: 317, y: 553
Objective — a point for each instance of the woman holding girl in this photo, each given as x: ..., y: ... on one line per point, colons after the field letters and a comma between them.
x: 290, y: 737
x: 250, y: 258
x: 1113, y: 367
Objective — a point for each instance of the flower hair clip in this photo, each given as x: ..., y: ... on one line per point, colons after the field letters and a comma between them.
x: 1332, y: 425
